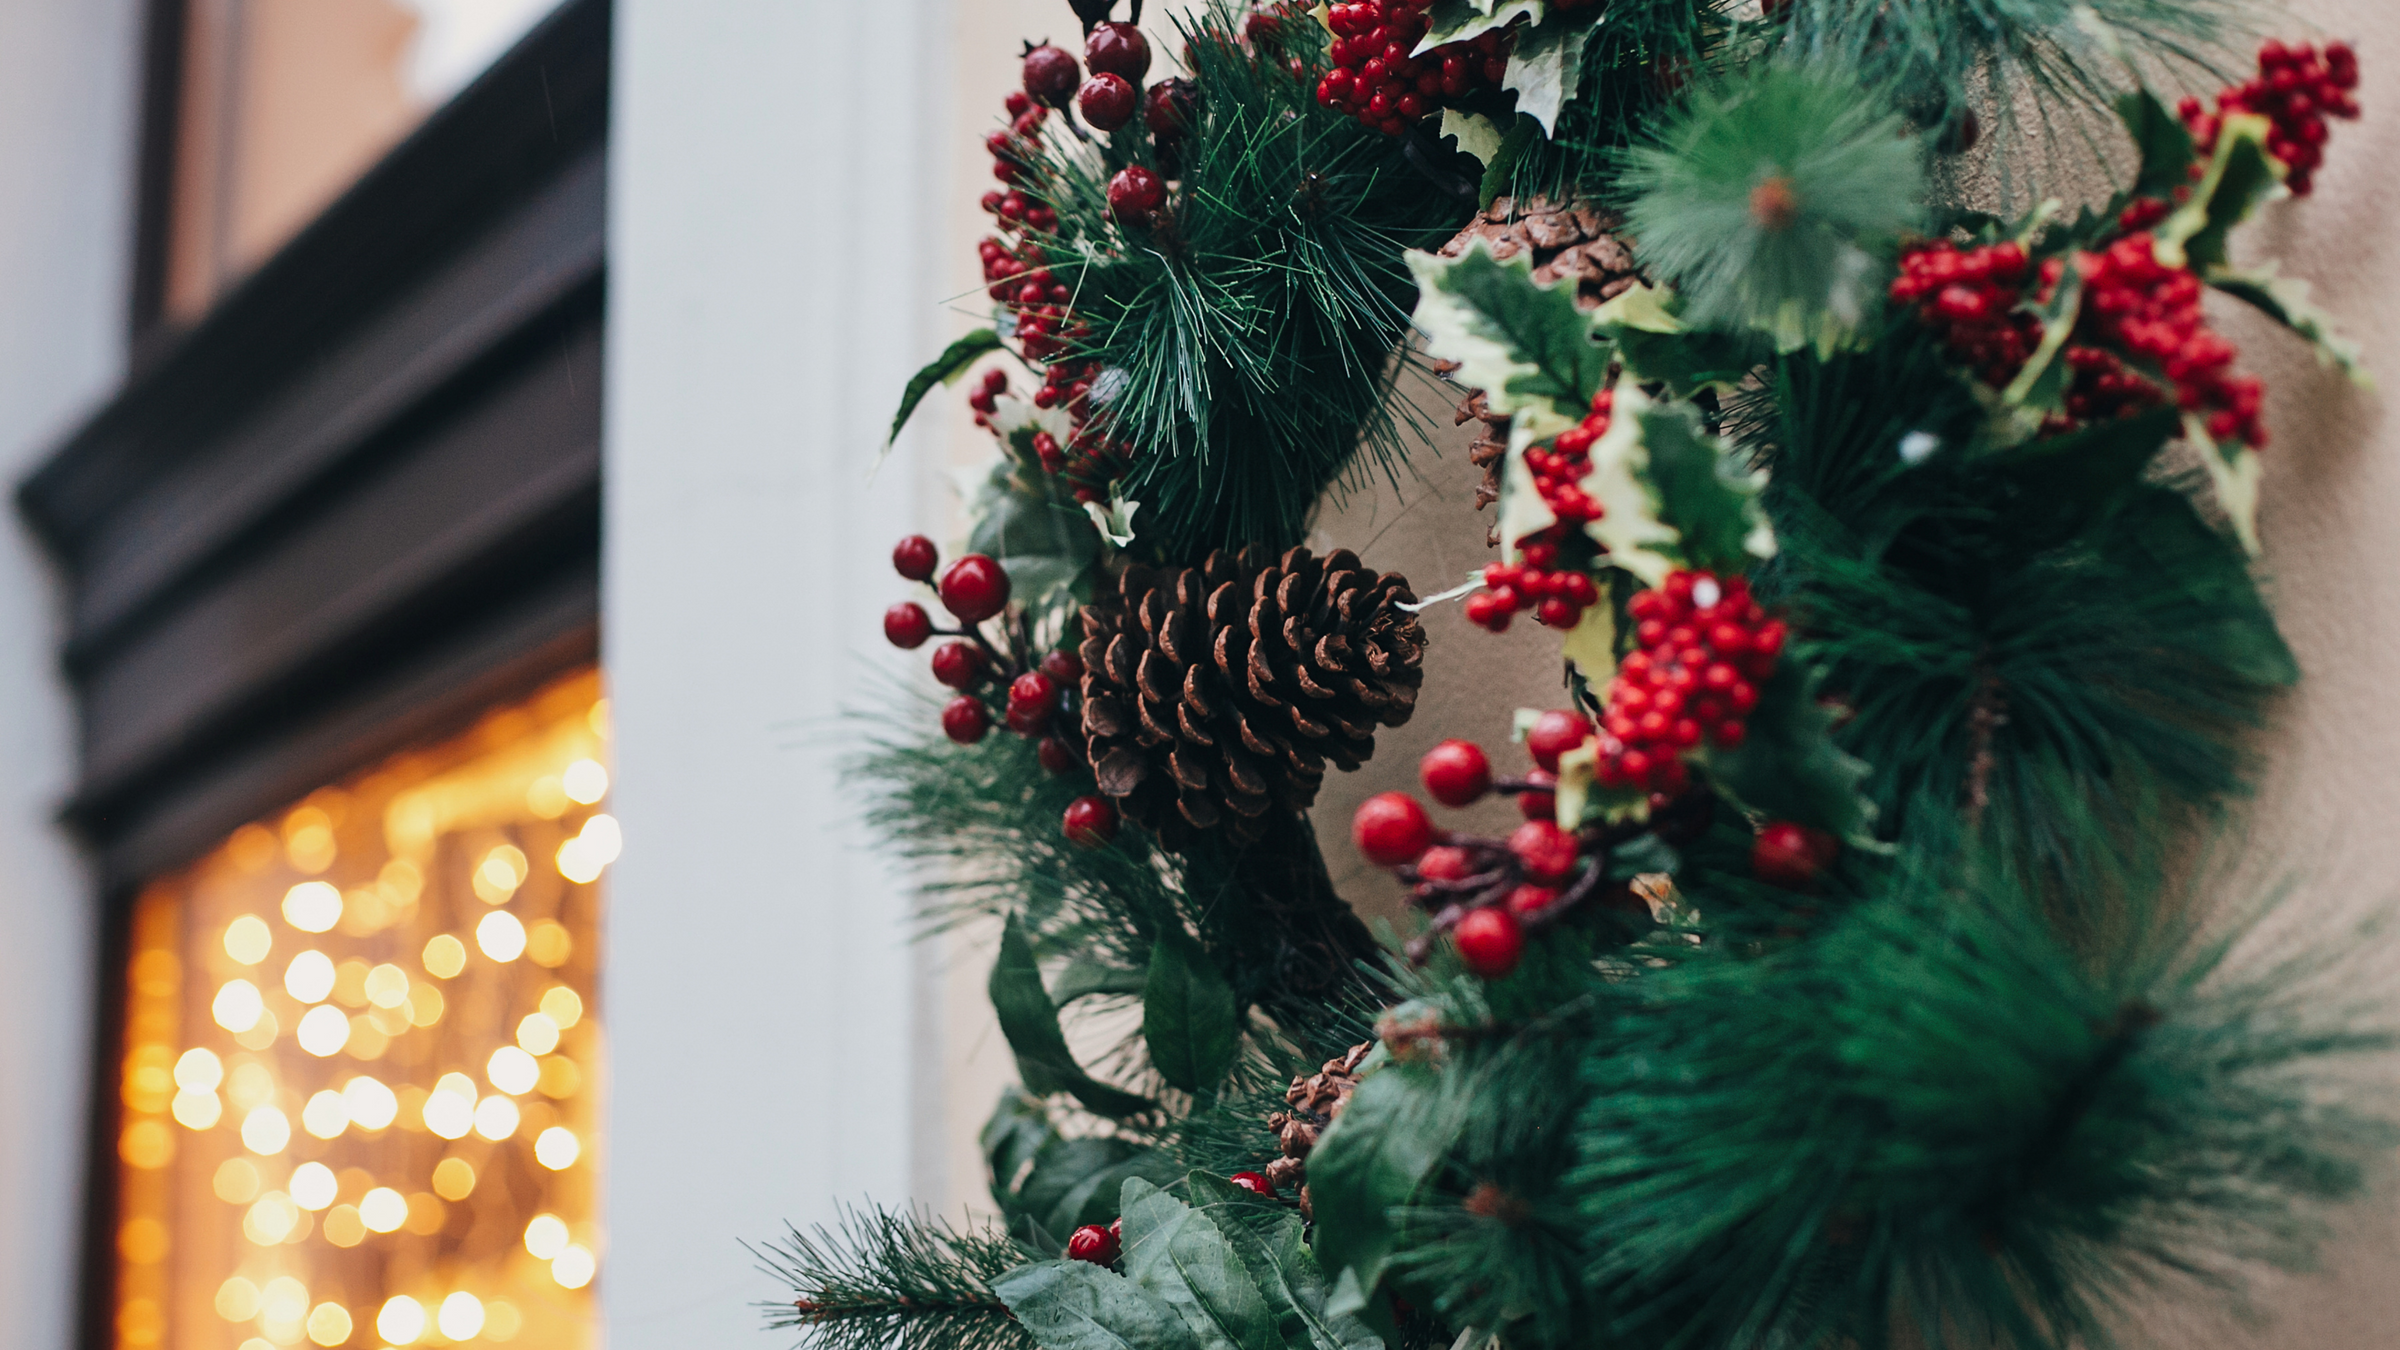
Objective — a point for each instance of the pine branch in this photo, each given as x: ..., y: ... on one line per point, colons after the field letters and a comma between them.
x: 882, y: 1279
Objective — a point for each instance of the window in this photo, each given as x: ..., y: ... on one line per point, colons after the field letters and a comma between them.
x: 360, y: 1054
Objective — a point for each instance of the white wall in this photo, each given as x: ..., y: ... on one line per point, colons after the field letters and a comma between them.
x: 774, y: 176
x: 67, y: 131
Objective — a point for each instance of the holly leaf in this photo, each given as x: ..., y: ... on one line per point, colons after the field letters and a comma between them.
x: 2162, y: 140
x: 1580, y: 800
x: 1524, y: 344
x: 955, y: 360
x: 1474, y: 133
x: 1190, y: 1018
x: 1592, y: 644
x: 1029, y: 1021
x: 1705, y: 493
x: 1502, y: 166
x: 2286, y: 300
x: 2041, y: 387
x: 2234, y: 472
x: 1466, y: 20
x: 1369, y: 1162
x: 1545, y: 67
x: 1177, y: 1255
x: 2240, y: 175
x: 1629, y: 526
x: 1075, y: 1305
x: 2190, y: 553
x: 1788, y: 766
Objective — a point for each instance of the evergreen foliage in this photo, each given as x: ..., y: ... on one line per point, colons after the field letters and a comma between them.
x: 883, y: 1279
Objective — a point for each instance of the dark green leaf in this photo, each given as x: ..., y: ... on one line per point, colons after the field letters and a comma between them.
x: 2165, y: 146
x: 2239, y: 177
x: 2242, y: 635
x: 1269, y: 1238
x: 1704, y: 491
x: 1095, y: 1197
x: 1788, y: 767
x: 1038, y: 534
x: 1642, y: 855
x: 1370, y: 1161
x: 1084, y: 977
x: 952, y: 363
x: 2286, y: 301
x: 1178, y: 1255
x: 1015, y: 1134
x: 1190, y: 1018
x: 1075, y: 1305
x: 1030, y: 1022
x: 1522, y: 135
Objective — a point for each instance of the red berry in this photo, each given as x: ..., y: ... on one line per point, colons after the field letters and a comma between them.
x: 1167, y: 108
x: 1391, y: 829
x: 1456, y: 772
x: 1554, y: 733
x: 1051, y: 75
x: 1033, y: 690
x: 1490, y: 941
x: 958, y: 664
x: 1107, y: 101
x: 1443, y: 863
x: 1091, y: 821
x: 907, y: 625
x: 1548, y: 852
x: 1134, y: 193
x: 1540, y: 803
x: 975, y: 588
x: 1791, y: 856
x: 915, y: 556
x: 1064, y: 667
x: 1029, y: 719
x: 1119, y: 49
x: 1527, y: 901
x: 1252, y: 1182
x: 1094, y: 1244
x: 965, y: 719
x: 1056, y: 755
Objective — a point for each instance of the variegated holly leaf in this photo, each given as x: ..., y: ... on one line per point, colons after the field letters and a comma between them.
x: 1581, y: 800
x: 1524, y: 344
x: 2240, y: 175
x: 2286, y: 300
x: 1466, y: 20
x: 1592, y: 644
x: 1475, y: 133
x: 1546, y: 66
x: 1706, y: 493
x: 1522, y: 510
x: 2161, y: 138
x: 1629, y: 526
x: 2234, y: 471
x: 2041, y: 387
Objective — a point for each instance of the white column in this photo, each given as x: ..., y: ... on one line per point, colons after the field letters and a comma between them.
x: 773, y: 185
x: 67, y: 131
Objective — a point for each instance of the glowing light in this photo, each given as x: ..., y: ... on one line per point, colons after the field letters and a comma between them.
x: 199, y: 1070
x: 546, y: 797
x: 424, y: 1005
x: 372, y: 1106
x: 401, y: 879
x: 546, y: 1236
x: 261, y: 1033
x: 501, y: 1320
x: 313, y: 1186
x: 143, y: 1241
x: 584, y: 857
x: 250, y: 1085
x: 574, y: 1268
x: 139, y: 1322
x: 197, y: 1109
x: 445, y: 956
x: 454, y: 1178
x: 449, y: 1115
x: 146, y: 1144
x: 326, y: 1114
x: 598, y: 719
x: 461, y: 1317
x: 538, y: 1035
x: 329, y: 1324
x: 585, y: 781
x: 236, y: 1181
x: 271, y: 1219
x: 549, y: 943
x: 285, y: 1300
x: 237, y: 1006
x: 557, y: 1148
x: 402, y: 1320
x: 265, y: 1131
x: 324, y: 1031
x: 309, y: 978
x: 350, y: 984
x: 383, y: 1210
x: 500, y: 873
x: 312, y: 907
x: 308, y: 839
x: 387, y: 986
x: 237, y: 1300
x: 496, y: 1117
x: 512, y: 1070
x: 426, y: 1214
x: 560, y: 1078
x: 500, y: 936
x: 248, y: 939
x: 343, y: 1227
x: 561, y: 1005
x: 457, y: 1085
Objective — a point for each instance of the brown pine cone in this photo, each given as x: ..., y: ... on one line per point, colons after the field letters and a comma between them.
x: 1315, y: 1100
x: 1215, y: 695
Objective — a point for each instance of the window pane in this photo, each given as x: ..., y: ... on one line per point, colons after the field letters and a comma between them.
x: 361, y: 1043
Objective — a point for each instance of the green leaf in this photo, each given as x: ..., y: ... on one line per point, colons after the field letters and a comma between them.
x: 2242, y: 635
x: 1706, y: 494
x: 1075, y: 1305
x: 1015, y: 1134
x: 1092, y: 1197
x: 1372, y: 1160
x: 1270, y: 1240
x: 1502, y: 166
x: 952, y: 363
x: 1030, y: 1022
x: 1525, y: 345
x: 2234, y: 472
x: 2041, y: 387
x: 1788, y: 767
x: 2239, y: 177
x: 1545, y: 65
x: 1176, y: 1254
x: 1190, y: 1018
x: 1037, y: 533
x: 1084, y: 977
x: 2165, y: 145
x: 2286, y: 301
x: 1629, y: 526
x: 1474, y: 133
x: 1466, y: 20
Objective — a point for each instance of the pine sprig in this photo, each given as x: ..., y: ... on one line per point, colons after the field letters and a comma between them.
x: 882, y: 1279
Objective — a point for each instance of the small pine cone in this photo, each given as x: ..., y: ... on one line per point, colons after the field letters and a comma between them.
x: 1315, y: 1100
x: 1215, y: 695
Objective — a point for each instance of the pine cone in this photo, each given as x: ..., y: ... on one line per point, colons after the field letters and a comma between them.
x: 1577, y: 241
x: 1214, y: 695
x: 1315, y: 1100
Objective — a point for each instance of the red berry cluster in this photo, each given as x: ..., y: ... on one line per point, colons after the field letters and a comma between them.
x: 1969, y: 298
x: 1548, y: 577
x: 1375, y: 80
x: 2139, y: 305
x: 1012, y: 163
x: 1704, y: 648
x: 2296, y: 90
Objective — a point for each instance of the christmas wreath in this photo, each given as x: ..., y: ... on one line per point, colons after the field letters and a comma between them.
x: 1846, y: 982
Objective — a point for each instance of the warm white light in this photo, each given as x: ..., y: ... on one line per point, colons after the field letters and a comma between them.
x: 546, y: 1236
x: 371, y: 1105
x: 197, y: 1109
x: 237, y: 1006
x: 387, y: 986
x: 265, y: 1131
x: 329, y: 1324
x: 461, y: 1317
x: 585, y: 781
x: 563, y: 1006
x: 383, y: 1210
x: 574, y: 1268
x: 402, y: 1320
x: 445, y: 956
x: 283, y: 1300
x: 557, y: 1148
x: 324, y: 1031
x: 603, y: 837
x: 449, y: 1115
x: 237, y: 1300
x: 199, y: 1071
x: 500, y: 936
x: 312, y: 907
x: 499, y: 875
x: 271, y: 1219
x: 538, y: 1033
x: 512, y: 1070
x: 248, y: 939
x: 313, y: 1186
x: 309, y: 978
x: 496, y: 1117
x: 326, y: 1114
